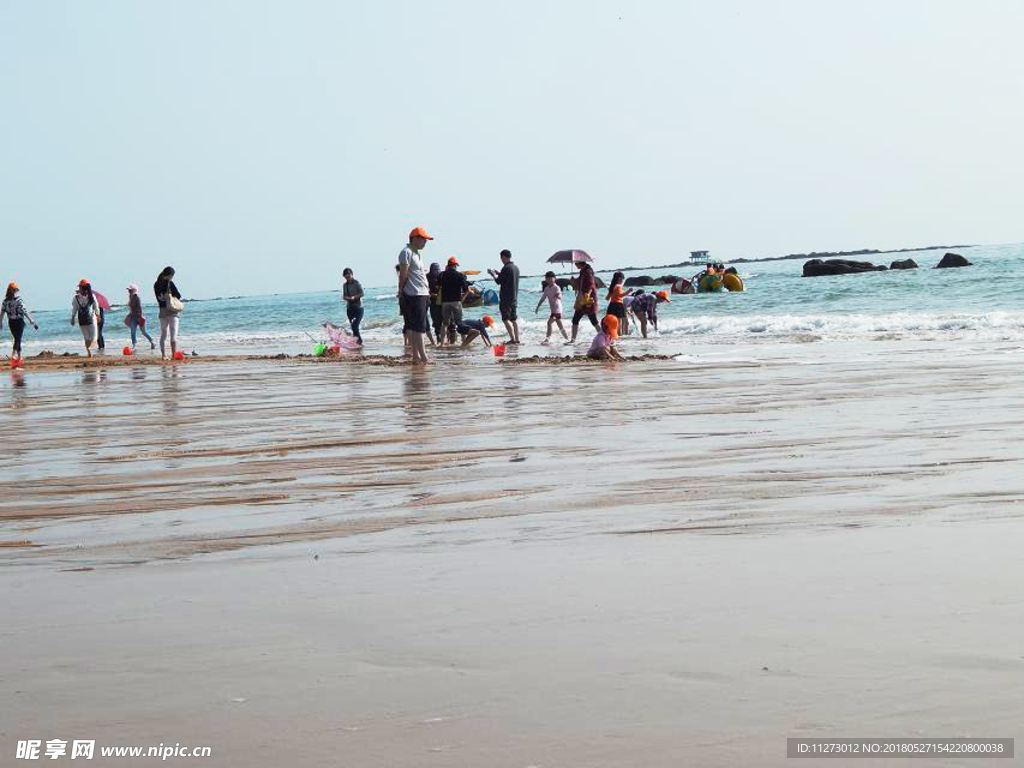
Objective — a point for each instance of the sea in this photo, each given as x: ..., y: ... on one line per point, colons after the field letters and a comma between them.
x: 983, y: 302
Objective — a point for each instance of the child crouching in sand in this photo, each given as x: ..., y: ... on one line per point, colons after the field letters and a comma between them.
x: 603, y: 345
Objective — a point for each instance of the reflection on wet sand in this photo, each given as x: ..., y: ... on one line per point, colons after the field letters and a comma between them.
x: 244, y: 455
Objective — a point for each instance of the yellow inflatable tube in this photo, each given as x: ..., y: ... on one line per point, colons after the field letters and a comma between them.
x: 732, y: 282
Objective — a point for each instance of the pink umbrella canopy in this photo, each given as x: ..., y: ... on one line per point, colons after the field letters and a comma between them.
x: 104, y: 304
x: 570, y: 257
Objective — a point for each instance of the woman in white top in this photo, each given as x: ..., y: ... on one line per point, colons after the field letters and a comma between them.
x: 85, y: 314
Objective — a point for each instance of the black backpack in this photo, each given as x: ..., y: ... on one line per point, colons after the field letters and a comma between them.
x: 85, y: 314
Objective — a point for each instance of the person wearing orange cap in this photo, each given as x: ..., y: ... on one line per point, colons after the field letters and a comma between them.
x: 470, y: 329
x: 603, y: 345
x: 454, y: 288
x: 14, y: 309
x: 645, y: 308
x: 85, y: 313
x: 415, y: 292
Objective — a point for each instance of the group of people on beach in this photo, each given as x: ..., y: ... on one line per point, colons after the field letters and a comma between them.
x: 88, y: 312
x: 430, y: 302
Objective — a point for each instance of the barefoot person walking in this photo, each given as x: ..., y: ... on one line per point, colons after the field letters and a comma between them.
x: 551, y: 291
x: 14, y: 310
x: 415, y: 294
x: 85, y: 313
x: 135, y: 319
x: 169, y: 299
x: 586, y: 299
x: 352, y: 292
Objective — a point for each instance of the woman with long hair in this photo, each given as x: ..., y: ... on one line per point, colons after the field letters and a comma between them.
x: 169, y: 299
x: 85, y: 313
x: 616, y: 302
x: 14, y: 309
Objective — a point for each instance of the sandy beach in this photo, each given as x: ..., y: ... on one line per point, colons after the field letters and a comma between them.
x: 660, y: 563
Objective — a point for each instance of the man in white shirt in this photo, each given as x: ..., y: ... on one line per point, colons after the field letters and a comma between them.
x: 413, y: 286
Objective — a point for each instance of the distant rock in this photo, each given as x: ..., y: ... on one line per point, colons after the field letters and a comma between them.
x: 668, y: 279
x: 905, y: 264
x: 951, y: 260
x: 632, y: 282
x: 817, y: 267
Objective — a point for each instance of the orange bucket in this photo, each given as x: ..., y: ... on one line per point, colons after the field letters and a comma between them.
x: 499, y: 350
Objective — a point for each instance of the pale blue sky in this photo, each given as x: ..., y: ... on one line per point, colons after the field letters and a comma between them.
x: 262, y: 146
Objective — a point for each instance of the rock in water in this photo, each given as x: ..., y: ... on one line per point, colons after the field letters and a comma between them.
x: 817, y: 267
x: 636, y: 280
x: 952, y: 260
x: 905, y: 264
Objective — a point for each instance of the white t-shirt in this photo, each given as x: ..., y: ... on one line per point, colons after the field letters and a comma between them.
x: 554, y: 296
x: 416, y: 283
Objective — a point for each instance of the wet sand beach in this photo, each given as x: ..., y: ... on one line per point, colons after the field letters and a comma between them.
x: 666, y: 562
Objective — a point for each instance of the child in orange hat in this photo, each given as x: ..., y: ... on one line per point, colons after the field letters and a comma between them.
x: 603, y: 345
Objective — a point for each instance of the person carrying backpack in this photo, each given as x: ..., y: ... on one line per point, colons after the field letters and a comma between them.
x: 85, y: 313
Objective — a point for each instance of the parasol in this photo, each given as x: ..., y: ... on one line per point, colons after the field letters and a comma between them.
x: 570, y: 257
x: 102, y: 300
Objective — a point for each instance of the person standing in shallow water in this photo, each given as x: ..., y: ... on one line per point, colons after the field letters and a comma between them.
x: 85, y: 314
x: 434, y: 284
x: 14, y: 310
x: 586, y: 299
x: 508, y: 295
x: 165, y: 289
x: 136, y: 320
x: 352, y: 292
x: 415, y: 293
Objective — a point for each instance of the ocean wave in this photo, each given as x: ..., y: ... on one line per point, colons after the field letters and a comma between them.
x: 852, y: 326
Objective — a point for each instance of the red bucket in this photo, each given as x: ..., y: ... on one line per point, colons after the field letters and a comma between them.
x: 499, y: 350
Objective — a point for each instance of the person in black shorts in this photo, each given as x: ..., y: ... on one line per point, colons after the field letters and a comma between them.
x: 508, y: 295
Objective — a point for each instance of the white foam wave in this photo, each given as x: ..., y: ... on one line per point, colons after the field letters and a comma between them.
x: 992, y: 325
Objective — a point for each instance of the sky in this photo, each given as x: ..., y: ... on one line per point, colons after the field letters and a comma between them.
x: 261, y: 147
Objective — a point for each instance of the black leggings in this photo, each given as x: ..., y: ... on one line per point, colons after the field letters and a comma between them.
x: 17, y: 330
x: 589, y: 312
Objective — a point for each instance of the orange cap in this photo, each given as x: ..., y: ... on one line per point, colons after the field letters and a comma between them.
x: 663, y: 295
x: 82, y: 283
x: 452, y: 261
x: 610, y: 323
x: 13, y: 287
x: 420, y: 232
x: 488, y: 320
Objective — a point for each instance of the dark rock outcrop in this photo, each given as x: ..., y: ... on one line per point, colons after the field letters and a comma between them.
x: 817, y: 267
x: 668, y: 279
x: 904, y: 264
x: 951, y: 260
x: 632, y: 282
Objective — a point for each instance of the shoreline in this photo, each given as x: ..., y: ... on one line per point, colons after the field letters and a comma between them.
x: 45, y: 362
